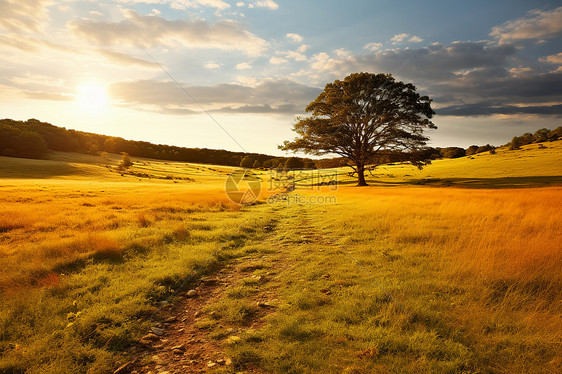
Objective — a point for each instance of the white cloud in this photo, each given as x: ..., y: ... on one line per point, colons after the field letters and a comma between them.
x: 322, y: 62
x: 303, y: 48
x: 31, y: 44
x: 296, y: 56
x: 403, y: 37
x: 399, y: 38
x: 23, y: 15
x: 156, y: 11
x: 552, y: 59
x: 95, y: 13
x: 122, y: 59
x: 240, y: 4
x: 520, y: 70
x: 41, y: 87
x: 243, y: 66
x: 295, y: 37
x: 34, y: 80
x: 212, y: 65
x: 277, y: 60
x: 342, y: 52
x: 270, y: 4
x: 373, y: 46
x: 247, y: 81
x: 537, y: 24
x: 219, y: 4
x: 184, y: 4
x: 149, y: 31
x: 292, y: 55
x: 42, y: 95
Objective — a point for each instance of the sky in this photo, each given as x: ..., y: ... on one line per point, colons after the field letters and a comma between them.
x: 236, y: 74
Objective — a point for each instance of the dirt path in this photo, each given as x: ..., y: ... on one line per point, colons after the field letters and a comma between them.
x: 180, y: 343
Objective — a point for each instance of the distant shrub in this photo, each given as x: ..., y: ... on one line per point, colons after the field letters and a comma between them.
x: 484, y: 148
x: 453, y: 152
x: 526, y: 138
x: 556, y: 133
x: 515, y: 143
x: 541, y: 135
x: 471, y: 150
x: 125, y: 162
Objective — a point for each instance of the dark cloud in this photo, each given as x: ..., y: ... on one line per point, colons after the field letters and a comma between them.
x: 486, y: 109
x: 465, y: 77
x: 263, y: 109
x: 268, y: 96
x: 427, y: 64
x: 532, y: 88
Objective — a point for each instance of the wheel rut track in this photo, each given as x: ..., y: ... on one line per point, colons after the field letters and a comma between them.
x: 199, y: 352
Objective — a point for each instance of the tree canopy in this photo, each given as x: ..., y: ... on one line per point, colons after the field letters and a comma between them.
x: 363, y: 118
x: 294, y: 163
x: 247, y: 162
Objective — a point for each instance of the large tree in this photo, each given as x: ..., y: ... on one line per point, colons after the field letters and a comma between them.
x: 364, y: 118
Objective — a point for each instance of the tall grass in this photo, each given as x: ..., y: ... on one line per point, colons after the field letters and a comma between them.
x: 84, y: 266
x: 487, y: 235
x: 42, y: 229
x: 410, y: 280
x: 498, y: 251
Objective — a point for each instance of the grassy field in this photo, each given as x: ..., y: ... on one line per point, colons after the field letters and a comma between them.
x: 449, y: 269
x: 533, y: 165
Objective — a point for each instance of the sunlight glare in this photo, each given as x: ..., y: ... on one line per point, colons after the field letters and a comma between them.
x: 92, y: 97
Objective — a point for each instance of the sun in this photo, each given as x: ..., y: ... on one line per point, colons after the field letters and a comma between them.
x: 92, y: 97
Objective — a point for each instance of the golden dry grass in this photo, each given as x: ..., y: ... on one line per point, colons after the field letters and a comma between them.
x: 45, y: 225
x: 478, y: 272
x: 502, y: 247
x: 490, y: 234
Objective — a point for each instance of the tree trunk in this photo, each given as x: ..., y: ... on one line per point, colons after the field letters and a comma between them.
x: 361, y: 175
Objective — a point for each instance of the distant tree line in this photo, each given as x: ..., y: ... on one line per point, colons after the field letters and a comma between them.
x: 33, y: 139
x: 19, y: 141
x: 279, y: 163
x: 540, y: 136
